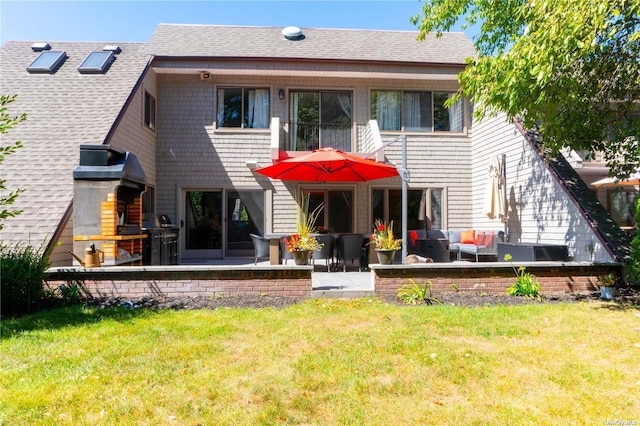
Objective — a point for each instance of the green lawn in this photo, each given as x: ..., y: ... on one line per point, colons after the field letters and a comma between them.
x: 323, y: 362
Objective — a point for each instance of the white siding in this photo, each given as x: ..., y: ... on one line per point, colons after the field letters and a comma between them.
x: 539, y: 208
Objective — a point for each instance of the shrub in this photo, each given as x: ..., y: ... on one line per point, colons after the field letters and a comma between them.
x: 22, y: 272
x: 525, y: 285
x: 70, y: 293
x: 413, y: 293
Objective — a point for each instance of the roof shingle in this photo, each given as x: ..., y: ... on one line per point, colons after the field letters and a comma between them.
x: 319, y: 44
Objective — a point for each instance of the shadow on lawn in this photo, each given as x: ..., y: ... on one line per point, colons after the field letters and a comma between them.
x: 626, y: 299
x: 72, y: 316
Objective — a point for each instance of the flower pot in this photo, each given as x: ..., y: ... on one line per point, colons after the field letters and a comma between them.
x: 385, y: 256
x: 301, y: 257
x: 607, y: 293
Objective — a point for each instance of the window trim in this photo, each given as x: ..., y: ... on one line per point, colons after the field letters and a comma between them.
x: 149, y: 121
x: 242, y: 126
x: 432, y: 129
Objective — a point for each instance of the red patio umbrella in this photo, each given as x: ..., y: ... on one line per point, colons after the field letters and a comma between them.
x: 328, y: 165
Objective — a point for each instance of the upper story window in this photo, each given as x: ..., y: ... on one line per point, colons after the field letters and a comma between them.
x: 149, y: 111
x: 243, y: 108
x: 415, y: 111
x: 320, y: 119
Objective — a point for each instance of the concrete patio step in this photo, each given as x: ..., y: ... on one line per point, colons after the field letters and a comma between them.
x: 342, y: 294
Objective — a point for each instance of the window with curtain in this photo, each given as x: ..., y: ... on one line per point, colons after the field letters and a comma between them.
x: 320, y: 119
x: 424, y: 208
x: 247, y: 108
x: 415, y: 111
x: 447, y: 119
x: 337, y: 214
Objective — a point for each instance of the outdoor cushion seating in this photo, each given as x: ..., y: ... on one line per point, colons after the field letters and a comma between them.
x: 475, y: 242
x: 350, y: 247
x: 326, y: 252
x: 260, y: 246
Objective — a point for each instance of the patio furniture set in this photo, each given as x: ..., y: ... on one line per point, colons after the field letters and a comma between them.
x: 336, y: 249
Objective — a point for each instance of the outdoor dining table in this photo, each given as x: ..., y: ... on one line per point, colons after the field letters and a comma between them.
x: 274, y: 246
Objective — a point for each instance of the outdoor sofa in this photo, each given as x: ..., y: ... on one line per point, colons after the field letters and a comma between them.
x: 474, y: 242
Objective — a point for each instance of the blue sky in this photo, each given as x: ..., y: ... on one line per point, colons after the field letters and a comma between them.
x: 126, y: 21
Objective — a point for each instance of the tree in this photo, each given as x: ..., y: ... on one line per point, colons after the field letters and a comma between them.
x: 7, y: 122
x: 568, y: 68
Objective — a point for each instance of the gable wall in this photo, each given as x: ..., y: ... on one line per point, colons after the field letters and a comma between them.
x: 539, y: 208
x: 132, y: 135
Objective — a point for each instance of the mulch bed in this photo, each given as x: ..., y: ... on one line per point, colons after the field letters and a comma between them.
x: 624, y: 297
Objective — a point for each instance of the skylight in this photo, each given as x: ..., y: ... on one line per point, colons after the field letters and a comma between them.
x: 47, y: 62
x: 96, y: 62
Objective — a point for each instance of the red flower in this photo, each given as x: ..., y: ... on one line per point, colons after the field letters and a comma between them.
x: 381, y: 227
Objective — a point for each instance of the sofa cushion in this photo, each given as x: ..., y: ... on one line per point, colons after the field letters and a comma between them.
x: 454, y: 236
x: 468, y: 236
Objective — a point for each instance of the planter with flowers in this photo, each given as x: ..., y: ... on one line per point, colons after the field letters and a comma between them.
x: 303, y: 243
x: 607, y: 286
x: 384, y: 242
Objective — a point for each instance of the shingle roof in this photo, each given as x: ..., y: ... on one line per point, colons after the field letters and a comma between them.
x: 324, y: 44
x: 64, y: 109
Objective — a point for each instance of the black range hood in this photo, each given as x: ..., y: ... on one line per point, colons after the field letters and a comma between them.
x: 101, y: 162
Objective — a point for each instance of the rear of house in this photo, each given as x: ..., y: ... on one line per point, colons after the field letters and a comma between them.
x: 204, y: 106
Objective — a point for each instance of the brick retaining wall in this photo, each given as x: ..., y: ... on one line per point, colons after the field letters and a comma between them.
x: 492, y: 278
x: 186, y: 281
x: 282, y: 280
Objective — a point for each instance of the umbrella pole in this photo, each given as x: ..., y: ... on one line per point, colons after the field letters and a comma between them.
x: 505, y: 200
x: 405, y: 208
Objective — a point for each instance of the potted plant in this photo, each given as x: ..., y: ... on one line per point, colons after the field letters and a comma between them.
x: 302, y: 243
x: 385, y: 243
x: 607, y: 286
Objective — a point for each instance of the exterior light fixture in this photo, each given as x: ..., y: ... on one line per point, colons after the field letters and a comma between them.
x: 281, y: 94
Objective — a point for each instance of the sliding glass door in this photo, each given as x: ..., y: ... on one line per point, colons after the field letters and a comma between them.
x: 337, y: 214
x: 202, y: 231
x: 218, y: 223
x: 245, y: 216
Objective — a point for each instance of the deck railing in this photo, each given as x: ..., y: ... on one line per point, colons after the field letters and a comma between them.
x: 310, y: 136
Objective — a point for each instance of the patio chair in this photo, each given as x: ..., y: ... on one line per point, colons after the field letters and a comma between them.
x: 350, y: 248
x: 326, y: 252
x: 260, y: 246
x: 284, y: 254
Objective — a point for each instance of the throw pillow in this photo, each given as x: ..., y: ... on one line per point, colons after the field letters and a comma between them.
x: 468, y: 237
